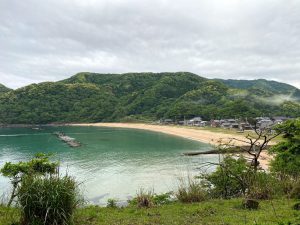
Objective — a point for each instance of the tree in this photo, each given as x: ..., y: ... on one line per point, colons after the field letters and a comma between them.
x: 229, y: 178
x: 255, y: 144
x: 287, y: 158
x: 39, y: 165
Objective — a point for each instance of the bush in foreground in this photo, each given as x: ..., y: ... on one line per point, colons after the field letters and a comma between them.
x: 146, y: 199
x: 263, y: 186
x: 40, y: 165
x: 48, y: 200
x: 191, y: 192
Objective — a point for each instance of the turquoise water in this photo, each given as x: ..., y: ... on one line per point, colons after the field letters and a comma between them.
x: 112, y: 162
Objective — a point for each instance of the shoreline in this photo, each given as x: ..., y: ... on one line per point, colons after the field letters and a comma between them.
x: 200, y: 135
x: 203, y: 136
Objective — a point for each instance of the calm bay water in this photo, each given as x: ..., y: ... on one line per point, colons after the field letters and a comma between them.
x: 112, y: 162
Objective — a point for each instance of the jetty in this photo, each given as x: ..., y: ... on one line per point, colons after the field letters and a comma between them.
x: 70, y: 141
x: 229, y: 150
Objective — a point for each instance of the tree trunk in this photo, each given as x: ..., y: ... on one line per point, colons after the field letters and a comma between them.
x: 13, y: 194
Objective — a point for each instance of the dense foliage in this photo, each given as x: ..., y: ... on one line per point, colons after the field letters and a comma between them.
x: 4, y: 89
x: 287, y: 158
x: 43, y: 195
x: 48, y: 201
x: 91, y: 97
x: 40, y: 165
x: 235, y: 177
x: 261, y: 84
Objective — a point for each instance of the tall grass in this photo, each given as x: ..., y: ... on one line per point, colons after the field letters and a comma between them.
x: 295, y: 192
x: 48, y: 200
x: 144, y: 198
x: 191, y: 191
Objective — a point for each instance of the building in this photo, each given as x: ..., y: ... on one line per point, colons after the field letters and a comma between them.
x: 231, y: 121
x: 265, y: 123
x: 215, y: 123
x: 235, y: 125
x: 196, y: 121
x: 245, y: 126
x: 167, y: 121
x: 226, y: 125
x: 204, y: 124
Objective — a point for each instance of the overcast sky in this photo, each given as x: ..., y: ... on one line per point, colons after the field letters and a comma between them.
x: 49, y: 40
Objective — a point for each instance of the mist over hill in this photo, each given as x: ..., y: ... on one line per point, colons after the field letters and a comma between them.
x: 93, y: 97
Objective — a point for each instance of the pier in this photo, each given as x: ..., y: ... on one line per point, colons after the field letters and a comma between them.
x: 70, y: 141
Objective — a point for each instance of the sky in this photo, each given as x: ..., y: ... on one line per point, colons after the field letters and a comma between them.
x: 51, y: 40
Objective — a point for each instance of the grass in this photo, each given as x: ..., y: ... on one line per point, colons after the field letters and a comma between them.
x: 191, y: 192
x: 209, y: 212
x: 51, y: 199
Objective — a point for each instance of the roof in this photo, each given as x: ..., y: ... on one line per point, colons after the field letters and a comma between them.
x: 226, y: 124
x: 231, y: 120
x: 196, y: 119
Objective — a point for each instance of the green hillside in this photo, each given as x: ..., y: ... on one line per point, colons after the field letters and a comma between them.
x: 92, y: 97
x: 4, y: 89
x: 272, y: 87
x: 55, y: 102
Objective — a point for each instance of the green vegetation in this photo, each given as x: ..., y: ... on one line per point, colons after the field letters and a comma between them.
x: 42, y: 195
x: 235, y: 178
x: 287, y: 159
x: 192, y: 191
x: 146, y: 199
x: 91, y: 97
x: 39, y: 165
x: 261, y: 84
x: 211, y: 212
x: 4, y: 89
x: 48, y: 201
x: 236, y: 192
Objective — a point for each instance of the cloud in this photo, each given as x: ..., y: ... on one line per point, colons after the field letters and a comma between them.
x: 54, y: 39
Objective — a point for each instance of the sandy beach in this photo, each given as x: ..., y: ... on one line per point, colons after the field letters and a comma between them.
x: 204, y: 136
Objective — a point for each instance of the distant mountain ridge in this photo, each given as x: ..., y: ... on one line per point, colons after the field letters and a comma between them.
x: 94, y: 97
x: 268, y: 85
x: 4, y: 89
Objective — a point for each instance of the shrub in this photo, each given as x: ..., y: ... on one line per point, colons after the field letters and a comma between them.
x: 47, y: 200
x: 262, y: 186
x: 287, y: 159
x: 162, y: 199
x: 148, y: 199
x: 191, y: 192
x: 250, y: 204
x: 39, y: 165
x: 235, y: 178
x: 296, y: 206
x: 230, y: 178
x: 111, y: 203
x: 295, y: 192
x: 144, y: 198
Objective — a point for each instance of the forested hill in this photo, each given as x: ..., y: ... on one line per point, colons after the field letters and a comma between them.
x: 4, y: 89
x: 92, y: 97
x: 273, y: 87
